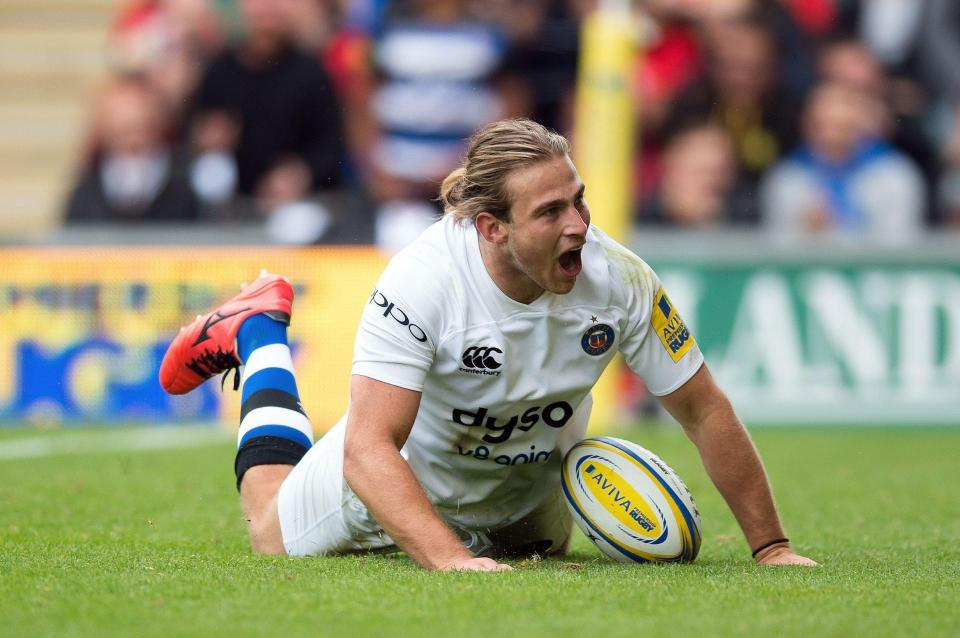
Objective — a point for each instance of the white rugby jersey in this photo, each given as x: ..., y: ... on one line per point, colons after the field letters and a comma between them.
x: 505, y: 384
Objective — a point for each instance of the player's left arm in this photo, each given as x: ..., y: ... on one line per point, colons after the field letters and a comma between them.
x: 733, y: 464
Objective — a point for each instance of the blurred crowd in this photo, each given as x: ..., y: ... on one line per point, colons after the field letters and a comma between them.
x: 335, y: 120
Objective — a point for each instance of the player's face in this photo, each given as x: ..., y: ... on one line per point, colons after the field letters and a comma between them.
x: 548, y: 227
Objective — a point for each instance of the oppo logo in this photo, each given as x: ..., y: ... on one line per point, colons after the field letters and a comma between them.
x: 392, y: 311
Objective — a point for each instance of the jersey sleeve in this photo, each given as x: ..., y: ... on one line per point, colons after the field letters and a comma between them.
x: 656, y: 344
x: 400, y: 326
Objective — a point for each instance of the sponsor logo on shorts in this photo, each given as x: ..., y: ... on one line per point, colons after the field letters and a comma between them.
x: 669, y: 326
x: 392, y: 311
x: 483, y: 360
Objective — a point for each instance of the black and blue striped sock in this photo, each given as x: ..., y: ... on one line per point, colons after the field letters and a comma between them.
x: 274, y: 429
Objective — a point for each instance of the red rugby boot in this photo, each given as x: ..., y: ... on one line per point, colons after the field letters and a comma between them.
x: 208, y: 345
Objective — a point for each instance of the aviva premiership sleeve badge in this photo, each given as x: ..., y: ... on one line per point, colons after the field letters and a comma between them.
x: 668, y: 325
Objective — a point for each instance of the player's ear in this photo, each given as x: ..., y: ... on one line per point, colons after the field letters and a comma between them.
x: 491, y: 228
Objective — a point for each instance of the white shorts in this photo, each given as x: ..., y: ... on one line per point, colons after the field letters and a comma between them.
x: 313, y: 500
x: 319, y: 514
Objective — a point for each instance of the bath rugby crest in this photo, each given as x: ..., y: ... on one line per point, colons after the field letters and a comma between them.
x: 597, y: 339
x: 668, y: 325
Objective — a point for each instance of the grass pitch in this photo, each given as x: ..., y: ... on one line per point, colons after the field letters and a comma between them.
x: 151, y: 543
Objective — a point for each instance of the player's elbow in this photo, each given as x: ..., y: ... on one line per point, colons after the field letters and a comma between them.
x: 362, y: 454
x: 706, y: 410
x: 353, y: 455
x: 698, y: 403
x: 711, y: 418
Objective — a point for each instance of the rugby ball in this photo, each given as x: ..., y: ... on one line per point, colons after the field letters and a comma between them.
x: 630, y: 503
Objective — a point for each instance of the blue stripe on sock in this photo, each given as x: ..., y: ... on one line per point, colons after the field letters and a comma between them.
x: 281, y: 431
x: 269, y: 379
x: 256, y: 331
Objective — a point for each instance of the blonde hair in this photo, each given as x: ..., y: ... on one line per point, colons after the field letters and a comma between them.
x: 480, y: 183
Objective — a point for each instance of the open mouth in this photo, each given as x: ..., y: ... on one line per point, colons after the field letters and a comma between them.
x: 570, y: 262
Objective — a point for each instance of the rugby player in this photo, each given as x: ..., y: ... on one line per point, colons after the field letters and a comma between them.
x: 474, y: 362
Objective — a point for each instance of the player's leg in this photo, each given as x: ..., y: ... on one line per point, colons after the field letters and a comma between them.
x: 274, y: 432
x: 258, y: 497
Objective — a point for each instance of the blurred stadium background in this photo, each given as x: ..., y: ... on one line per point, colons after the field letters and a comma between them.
x: 790, y: 167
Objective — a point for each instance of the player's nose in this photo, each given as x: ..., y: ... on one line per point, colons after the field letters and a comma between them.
x: 576, y: 221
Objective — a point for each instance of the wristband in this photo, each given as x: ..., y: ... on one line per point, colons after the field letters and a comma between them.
x: 766, y: 545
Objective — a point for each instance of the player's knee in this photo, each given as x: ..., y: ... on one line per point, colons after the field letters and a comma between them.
x: 264, y: 479
x: 266, y: 452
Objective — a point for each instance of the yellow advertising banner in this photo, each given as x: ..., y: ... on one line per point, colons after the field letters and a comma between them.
x: 84, y: 329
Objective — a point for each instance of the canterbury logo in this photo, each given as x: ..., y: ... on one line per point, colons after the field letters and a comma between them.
x: 481, y: 358
x: 213, y: 320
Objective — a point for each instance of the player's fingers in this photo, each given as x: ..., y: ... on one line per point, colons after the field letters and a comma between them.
x: 787, y: 557
x: 793, y: 562
x: 482, y: 565
x: 802, y: 561
x: 488, y: 564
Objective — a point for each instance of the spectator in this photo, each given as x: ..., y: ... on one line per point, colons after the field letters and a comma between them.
x: 741, y: 92
x: 906, y: 39
x: 314, y: 22
x: 670, y: 59
x: 792, y: 46
x: 666, y: 64
x: 440, y: 80
x: 167, y: 43
x: 265, y: 117
x: 544, y: 41
x: 134, y: 175
x: 844, y: 180
x: 850, y: 61
x: 700, y: 187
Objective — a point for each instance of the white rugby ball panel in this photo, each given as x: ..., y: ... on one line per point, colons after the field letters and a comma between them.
x: 629, y: 502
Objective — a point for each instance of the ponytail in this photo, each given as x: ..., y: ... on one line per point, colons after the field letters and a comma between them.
x: 451, y: 190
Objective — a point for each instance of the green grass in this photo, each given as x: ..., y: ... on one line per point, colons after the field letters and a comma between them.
x: 152, y: 544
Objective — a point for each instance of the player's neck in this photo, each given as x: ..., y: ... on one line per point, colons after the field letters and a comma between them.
x: 511, y: 281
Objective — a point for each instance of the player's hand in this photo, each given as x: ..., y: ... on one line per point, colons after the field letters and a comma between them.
x: 777, y: 555
x: 476, y: 565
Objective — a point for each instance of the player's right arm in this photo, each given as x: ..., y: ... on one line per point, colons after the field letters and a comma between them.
x: 378, y: 424
x: 663, y: 351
